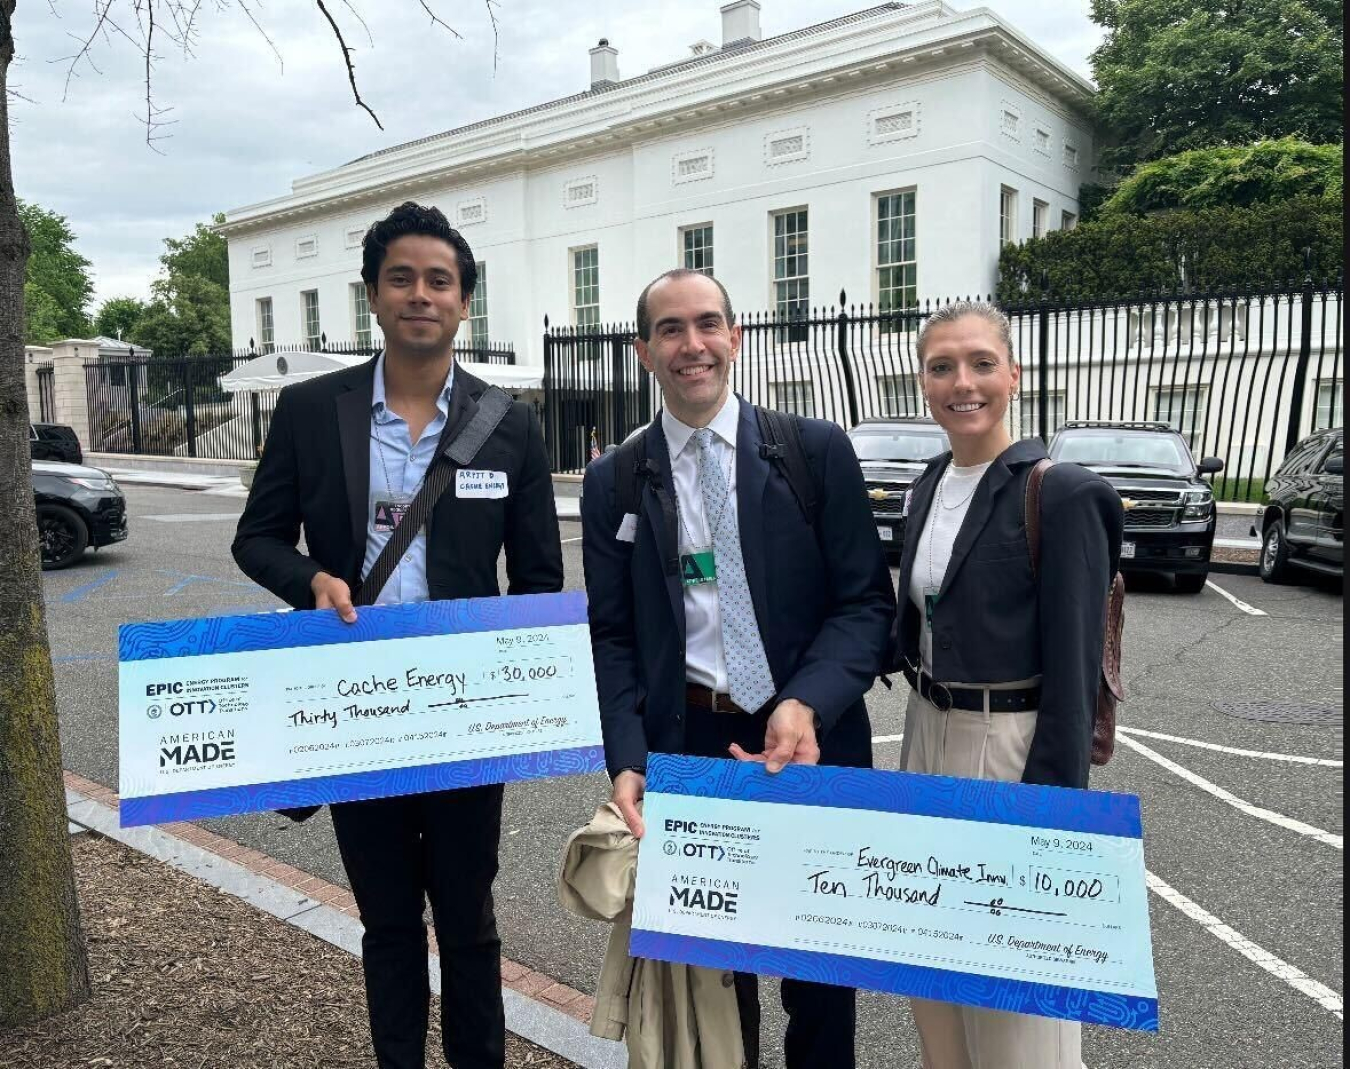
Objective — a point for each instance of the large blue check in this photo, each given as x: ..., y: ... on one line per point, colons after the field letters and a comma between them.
x: 1000, y: 895
x: 243, y: 713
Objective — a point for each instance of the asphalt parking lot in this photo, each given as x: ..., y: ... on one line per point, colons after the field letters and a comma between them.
x: 1242, y: 817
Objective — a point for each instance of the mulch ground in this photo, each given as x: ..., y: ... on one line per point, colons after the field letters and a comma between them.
x: 188, y: 976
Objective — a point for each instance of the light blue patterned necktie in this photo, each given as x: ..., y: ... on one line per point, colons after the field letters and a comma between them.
x: 748, y: 677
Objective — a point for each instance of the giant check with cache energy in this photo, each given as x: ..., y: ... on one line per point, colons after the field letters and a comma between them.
x: 272, y: 710
x: 1000, y: 895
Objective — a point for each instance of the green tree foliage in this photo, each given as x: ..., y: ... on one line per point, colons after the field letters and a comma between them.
x: 1241, y: 175
x: 57, y: 287
x: 1183, y: 74
x: 189, y: 309
x: 1120, y: 254
x: 118, y: 316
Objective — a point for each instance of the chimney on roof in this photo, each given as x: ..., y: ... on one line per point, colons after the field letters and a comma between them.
x: 740, y: 23
x: 604, y: 64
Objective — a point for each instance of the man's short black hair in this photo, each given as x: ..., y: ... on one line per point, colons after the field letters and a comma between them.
x: 644, y: 316
x: 413, y: 218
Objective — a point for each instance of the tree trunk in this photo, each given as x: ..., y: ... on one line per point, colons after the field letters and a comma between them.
x: 43, y: 968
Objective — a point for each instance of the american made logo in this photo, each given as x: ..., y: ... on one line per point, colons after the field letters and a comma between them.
x: 705, y: 894
x: 197, y: 749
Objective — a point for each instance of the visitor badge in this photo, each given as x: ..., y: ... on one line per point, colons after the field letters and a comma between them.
x: 930, y: 600
x: 627, y: 531
x: 475, y: 482
x: 388, y: 507
x: 698, y: 566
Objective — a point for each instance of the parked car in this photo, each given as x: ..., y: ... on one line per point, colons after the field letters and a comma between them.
x: 54, y: 441
x: 77, y: 507
x: 1169, y: 508
x: 1304, y: 524
x: 893, y: 453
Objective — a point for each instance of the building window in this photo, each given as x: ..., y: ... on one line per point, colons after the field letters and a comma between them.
x: 1184, y: 407
x: 791, y: 284
x: 360, y: 315
x: 1329, y: 401
x: 261, y: 256
x: 1040, y: 218
x: 897, y: 270
x: 691, y: 166
x: 306, y: 247
x: 696, y: 248
x: 581, y: 191
x: 787, y: 146
x: 1067, y: 220
x: 900, y: 395
x: 893, y: 123
x: 267, y: 335
x: 478, y: 312
x: 1042, y: 141
x: 309, y: 308
x: 586, y: 286
x: 1007, y: 215
x: 1071, y: 156
x: 1029, y: 409
x: 797, y: 397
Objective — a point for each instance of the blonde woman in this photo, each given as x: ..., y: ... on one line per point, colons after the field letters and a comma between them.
x: 1004, y: 666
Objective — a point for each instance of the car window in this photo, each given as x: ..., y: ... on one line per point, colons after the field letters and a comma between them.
x: 1302, y: 457
x: 1337, y: 449
x: 898, y: 445
x: 1131, y: 450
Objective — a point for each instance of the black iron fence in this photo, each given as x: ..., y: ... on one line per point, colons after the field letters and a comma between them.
x: 46, y: 384
x: 1241, y: 374
x: 177, y: 407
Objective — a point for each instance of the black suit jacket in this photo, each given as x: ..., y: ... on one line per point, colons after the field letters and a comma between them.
x: 994, y: 624
x: 822, y: 597
x: 314, y: 476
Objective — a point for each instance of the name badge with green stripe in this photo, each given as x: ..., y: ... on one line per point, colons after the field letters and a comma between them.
x: 698, y: 566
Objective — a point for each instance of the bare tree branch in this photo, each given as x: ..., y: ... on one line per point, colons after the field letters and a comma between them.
x: 496, y: 37
x: 243, y: 6
x: 436, y: 20
x: 347, y: 59
x: 357, y: 15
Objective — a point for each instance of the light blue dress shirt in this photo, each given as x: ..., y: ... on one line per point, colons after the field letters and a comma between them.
x: 398, y: 463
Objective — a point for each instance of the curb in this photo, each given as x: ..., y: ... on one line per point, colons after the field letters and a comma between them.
x: 539, y: 1008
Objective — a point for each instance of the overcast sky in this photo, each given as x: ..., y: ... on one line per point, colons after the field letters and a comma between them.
x: 245, y: 125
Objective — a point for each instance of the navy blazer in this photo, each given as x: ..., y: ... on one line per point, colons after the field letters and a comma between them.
x: 315, y: 475
x: 994, y: 624
x: 822, y: 597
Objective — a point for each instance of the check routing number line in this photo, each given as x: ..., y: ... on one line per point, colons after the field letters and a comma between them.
x: 1296, y: 759
x: 1278, y: 819
x: 1294, y: 977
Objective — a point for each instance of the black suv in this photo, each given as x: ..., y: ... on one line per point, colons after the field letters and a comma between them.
x: 893, y: 453
x: 1304, y: 524
x: 54, y: 441
x: 1169, y: 508
x: 77, y: 507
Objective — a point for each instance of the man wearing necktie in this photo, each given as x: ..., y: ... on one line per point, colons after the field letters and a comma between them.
x: 744, y: 628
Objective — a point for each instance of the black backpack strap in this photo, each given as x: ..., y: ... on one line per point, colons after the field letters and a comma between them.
x: 782, y: 446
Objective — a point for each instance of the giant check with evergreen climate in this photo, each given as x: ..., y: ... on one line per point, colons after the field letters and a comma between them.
x: 999, y: 895
x: 272, y: 710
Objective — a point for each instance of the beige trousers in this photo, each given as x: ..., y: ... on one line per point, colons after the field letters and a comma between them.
x: 980, y: 746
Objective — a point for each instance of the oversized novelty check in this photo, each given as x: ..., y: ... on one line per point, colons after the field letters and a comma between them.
x: 272, y: 710
x: 1001, y: 895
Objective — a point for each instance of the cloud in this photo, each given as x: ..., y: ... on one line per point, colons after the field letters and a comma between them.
x: 243, y: 126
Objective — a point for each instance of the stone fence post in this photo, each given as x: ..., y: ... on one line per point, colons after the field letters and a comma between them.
x: 33, y: 357
x: 68, y: 386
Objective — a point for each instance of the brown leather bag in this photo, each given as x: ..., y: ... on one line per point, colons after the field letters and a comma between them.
x: 1110, y: 690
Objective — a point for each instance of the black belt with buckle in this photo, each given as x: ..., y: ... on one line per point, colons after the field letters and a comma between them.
x: 972, y: 699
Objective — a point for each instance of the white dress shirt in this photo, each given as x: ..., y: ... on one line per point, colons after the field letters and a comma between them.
x: 704, y: 659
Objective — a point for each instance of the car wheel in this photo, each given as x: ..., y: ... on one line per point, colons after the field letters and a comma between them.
x: 1274, y: 554
x: 1191, y: 582
x: 62, y: 536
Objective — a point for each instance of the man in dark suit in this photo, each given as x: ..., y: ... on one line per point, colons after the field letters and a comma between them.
x: 345, y: 456
x: 764, y: 641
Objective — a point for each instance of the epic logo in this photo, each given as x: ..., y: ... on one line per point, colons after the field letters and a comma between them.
x: 682, y: 825
x: 153, y: 690
x: 204, y: 753
x: 707, y: 901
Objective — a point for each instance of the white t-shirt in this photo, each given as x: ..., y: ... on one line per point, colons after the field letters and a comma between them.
x: 951, y: 502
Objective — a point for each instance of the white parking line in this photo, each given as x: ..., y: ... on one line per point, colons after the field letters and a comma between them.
x: 1293, y: 758
x: 1250, y: 610
x: 1279, y: 819
x: 887, y: 738
x: 191, y: 517
x: 566, y: 540
x: 1295, y: 978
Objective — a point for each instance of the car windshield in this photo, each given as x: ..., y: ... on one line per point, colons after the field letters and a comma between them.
x: 1124, y: 449
x: 898, y: 444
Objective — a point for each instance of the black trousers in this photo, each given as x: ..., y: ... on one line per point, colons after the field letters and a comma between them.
x: 399, y: 852
x: 822, y: 1018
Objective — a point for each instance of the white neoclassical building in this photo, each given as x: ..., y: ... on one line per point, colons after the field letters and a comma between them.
x: 886, y: 153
